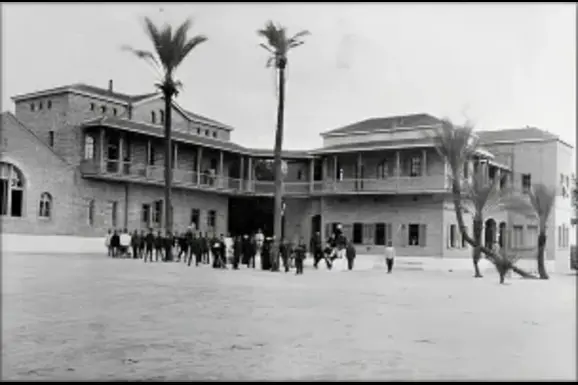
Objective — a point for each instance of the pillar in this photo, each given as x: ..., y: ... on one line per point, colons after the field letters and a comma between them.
x: 311, y: 174
x: 397, y: 164
x: 359, y: 167
x: 424, y: 162
x: 250, y: 174
x: 241, y: 172
x: 199, y: 161
x: 176, y: 156
x: 101, y: 158
x: 120, y: 153
x: 221, y: 169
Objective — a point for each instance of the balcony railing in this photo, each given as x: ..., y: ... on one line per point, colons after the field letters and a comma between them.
x: 191, y: 179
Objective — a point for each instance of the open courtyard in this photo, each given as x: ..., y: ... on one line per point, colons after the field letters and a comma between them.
x: 88, y: 317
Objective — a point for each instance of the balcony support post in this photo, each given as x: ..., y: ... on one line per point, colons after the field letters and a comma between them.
x: 359, y: 171
x: 397, y: 164
x: 424, y: 162
x: 241, y: 172
x: 311, y: 174
x: 221, y: 169
x: 120, y: 164
x: 199, y: 161
x: 249, y: 174
x: 101, y: 158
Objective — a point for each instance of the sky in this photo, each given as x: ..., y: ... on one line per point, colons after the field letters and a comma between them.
x: 498, y: 65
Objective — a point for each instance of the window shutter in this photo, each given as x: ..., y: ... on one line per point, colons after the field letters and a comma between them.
x: 422, y: 235
x: 403, y: 235
x: 388, y: 233
x: 348, y: 232
x: 368, y: 234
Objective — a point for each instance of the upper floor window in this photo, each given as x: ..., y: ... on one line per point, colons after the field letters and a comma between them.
x: 91, y: 212
x: 114, y: 111
x: 526, y: 182
x: 39, y: 105
x: 153, y: 117
x: 206, y: 132
x: 88, y: 147
x: 214, y: 134
x: 45, y: 208
x: 32, y: 107
x: 49, y: 104
x: 51, y: 138
x: 161, y: 116
x: 212, y: 219
x: 11, y: 191
x: 92, y: 106
x: 415, y: 166
x: 103, y: 109
x: 383, y: 169
x: 198, y: 131
x: 299, y: 174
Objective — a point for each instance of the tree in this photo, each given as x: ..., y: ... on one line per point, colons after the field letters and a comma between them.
x: 170, y: 50
x: 538, y: 203
x: 483, y: 195
x: 278, y: 44
x: 456, y: 145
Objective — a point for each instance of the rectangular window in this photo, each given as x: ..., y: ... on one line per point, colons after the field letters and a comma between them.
x: 383, y: 169
x: 152, y: 156
x: 518, y: 238
x: 532, y: 238
x: 146, y: 215
x: 51, y: 138
x: 415, y: 166
x: 380, y: 234
x: 195, y: 218
x: 464, y: 243
x: 368, y: 234
x: 157, y: 212
x: 388, y: 233
x: 16, y: 200
x: 212, y: 219
x: 526, y: 183
x: 4, y: 196
x: 113, y: 213
x: 416, y: 235
x: 357, y: 233
x: 453, y: 236
x: 91, y: 213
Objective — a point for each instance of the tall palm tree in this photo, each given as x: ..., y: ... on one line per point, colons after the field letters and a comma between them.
x: 278, y: 43
x: 483, y: 195
x: 456, y: 145
x: 170, y: 49
x: 539, y: 204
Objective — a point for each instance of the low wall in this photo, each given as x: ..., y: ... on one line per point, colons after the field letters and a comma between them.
x: 20, y: 243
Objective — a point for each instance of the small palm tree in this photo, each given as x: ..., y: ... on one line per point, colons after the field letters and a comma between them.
x: 539, y: 204
x: 483, y: 194
x: 170, y: 49
x: 457, y: 145
x: 278, y: 43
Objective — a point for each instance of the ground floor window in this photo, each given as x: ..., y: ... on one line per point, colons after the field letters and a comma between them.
x: 157, y: 212
x: 45, y: 209
x: 91, y: 212
x: 453, y: 236
x: 113, y: 213
x: 195, y: 218
x: 11, y: 191
x: 146, y: 215
x: 212, y: 219
x: 518, y: 237
x: 357, y: 233
x: 416, y: 234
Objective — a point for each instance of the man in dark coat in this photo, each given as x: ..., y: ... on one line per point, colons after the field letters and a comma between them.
x: 141, y: 245
x: 300, y: 254
x: 115, y: 243
x: 159, y: 247
x: 149, y: 242
x: 316, y: 248
x: 247, y: 250
x: 217, y: 250
x: 265, y: 254
x: 205, y: 248
x: 183, y: 247
x: 285, y: 252
x: 350, y: 255
x: 237, y: 252
x: 135, y: 244
x: 169, y: 244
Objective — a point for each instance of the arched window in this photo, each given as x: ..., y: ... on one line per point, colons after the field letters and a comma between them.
x: 88, y: 147
x: 11, y: 191
x: 383, y: 169
x: 45, y: 209
x: 153, y: 117
x: 162, y: 116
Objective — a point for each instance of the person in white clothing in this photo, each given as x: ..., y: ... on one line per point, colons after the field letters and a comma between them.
x: 389, y: 256
x: 229, y: 248
x: 125, y: 239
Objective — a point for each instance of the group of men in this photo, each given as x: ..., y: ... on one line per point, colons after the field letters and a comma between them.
x: 189, y: 245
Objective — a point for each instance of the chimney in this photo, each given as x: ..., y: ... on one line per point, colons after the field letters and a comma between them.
x: 110, y: 85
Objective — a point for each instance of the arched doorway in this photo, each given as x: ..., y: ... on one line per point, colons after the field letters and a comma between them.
x: 11, y: 190
x: 490, y: 233
x: 502, y: 232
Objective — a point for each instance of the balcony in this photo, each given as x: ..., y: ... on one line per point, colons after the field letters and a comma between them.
x: 141, y: 173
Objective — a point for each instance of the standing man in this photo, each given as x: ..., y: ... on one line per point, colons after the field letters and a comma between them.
x: 169, y: 244
x: 316, y: 248
x: 107, y: 243
x: 205, y: 247
x: 300, y: 254
x: 183, y: 247
x: 389, y: 256
x: 135, y: 244
x: 149, y: 242
x: 285, y: 251
x: 115, y: 243
x: 125, y: 242
x: 141, y: 246
x: 237, y: 252
x: 159, y: 245
x: 350, y: 254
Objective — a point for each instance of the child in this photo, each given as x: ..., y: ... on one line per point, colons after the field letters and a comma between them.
x: 389, y: 256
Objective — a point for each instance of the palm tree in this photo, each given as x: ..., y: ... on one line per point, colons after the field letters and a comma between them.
x: 170, y: 49
x: 539, y: 204
x: 278, y: 44
x: 457, y: 145
x: 483, y: 195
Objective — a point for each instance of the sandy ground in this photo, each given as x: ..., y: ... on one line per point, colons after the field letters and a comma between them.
x: 88, y: 317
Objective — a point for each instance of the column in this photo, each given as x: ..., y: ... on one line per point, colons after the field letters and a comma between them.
x: 424, y: 162
x: 498, y: 177
x: 397, y: 164
x: 335, y: 172
x: 148, y: 161
x: 250, y: 174
x: 101, y: 148
x: 241, y: 172
x: 324, y: 171
x: 359, y: 167
x: 311, y: 174
x: 120, y: 153
x: 199, y: 161
x: 176, y: 156
x: 221, y: 169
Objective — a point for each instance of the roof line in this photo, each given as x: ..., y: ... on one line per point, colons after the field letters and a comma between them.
x: 68, y: 89
x: 10, y: 115
x: 195, y: 120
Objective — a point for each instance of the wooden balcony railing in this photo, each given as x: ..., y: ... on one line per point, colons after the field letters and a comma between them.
x: 189, y: 178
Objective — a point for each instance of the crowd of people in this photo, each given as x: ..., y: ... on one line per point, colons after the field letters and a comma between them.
x: 222, y: 251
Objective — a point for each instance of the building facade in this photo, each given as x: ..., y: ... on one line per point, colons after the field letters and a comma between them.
x: 79, y: 160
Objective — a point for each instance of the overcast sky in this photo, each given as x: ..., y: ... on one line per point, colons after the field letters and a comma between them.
x: 501, y: 65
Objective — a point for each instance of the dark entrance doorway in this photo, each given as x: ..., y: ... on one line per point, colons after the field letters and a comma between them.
x: 490, y: 238
x: 315, y: 224
x: 249, y: 214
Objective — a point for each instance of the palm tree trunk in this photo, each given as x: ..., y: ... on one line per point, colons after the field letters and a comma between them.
x: 476, y: 252
x: 541, y: 249
x: 277, y: 164
x: 490, y: 255
x: 168, y: 163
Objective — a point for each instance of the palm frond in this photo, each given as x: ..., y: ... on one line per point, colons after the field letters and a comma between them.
x: 147, y: 56
x: 455, y: 144
x: 542, y: 199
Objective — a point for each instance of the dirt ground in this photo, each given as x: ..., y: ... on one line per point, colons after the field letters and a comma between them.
x: 89, y: 317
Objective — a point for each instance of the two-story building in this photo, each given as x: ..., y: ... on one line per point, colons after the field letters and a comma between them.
x: 79, y: 160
